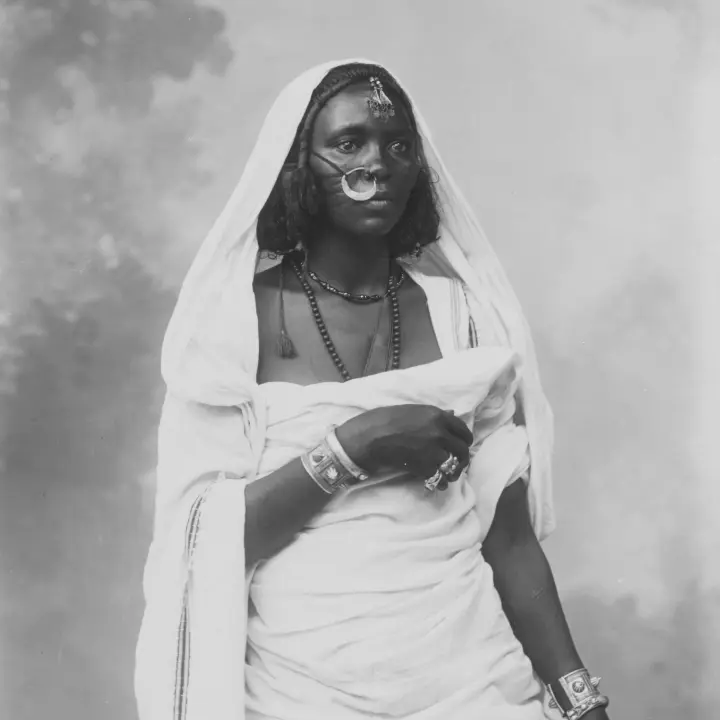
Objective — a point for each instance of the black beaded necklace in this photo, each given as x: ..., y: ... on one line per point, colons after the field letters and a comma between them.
x: 325, y: 335
x: 359, y: 298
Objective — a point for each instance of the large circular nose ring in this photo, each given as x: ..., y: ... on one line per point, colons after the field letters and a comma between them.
x: 355, y: 194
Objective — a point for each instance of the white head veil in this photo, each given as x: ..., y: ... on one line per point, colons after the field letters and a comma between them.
x: 210, y: 353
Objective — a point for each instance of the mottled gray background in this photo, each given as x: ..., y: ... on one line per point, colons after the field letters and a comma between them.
x: 583, y: 132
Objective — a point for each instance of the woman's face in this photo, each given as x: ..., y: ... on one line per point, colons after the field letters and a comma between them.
x: 347, y: 134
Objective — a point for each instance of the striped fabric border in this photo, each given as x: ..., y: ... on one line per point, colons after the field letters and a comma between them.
x: 182, y: 661
x: 473, y: 339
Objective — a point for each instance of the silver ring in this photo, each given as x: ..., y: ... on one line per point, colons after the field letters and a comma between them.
x: 450, y: 465
x: 355, y: 194
x: 432, y: 482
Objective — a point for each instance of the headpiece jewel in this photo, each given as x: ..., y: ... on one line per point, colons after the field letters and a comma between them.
x: 380, y: 104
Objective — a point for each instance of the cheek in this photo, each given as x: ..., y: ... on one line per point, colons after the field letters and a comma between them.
x: 329, y: 189
x: 346, y: 213
x: 410, y: 178
x: 334, y: 202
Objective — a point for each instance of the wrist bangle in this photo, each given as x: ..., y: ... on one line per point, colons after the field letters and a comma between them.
x: 316, y: 475
x: 576, y: 694
x: 586, y: 706
x: 330, y: 467
x: 347, y: 462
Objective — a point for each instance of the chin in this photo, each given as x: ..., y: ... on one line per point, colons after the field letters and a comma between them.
x: 376, y: 226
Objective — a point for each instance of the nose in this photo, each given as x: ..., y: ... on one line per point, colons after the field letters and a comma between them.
x: 374, y: 162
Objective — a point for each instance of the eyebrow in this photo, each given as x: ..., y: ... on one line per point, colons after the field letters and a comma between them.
x: 360, y: 128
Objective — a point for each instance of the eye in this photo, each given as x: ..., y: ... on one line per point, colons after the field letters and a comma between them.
x: 347, y: 146
x: 400, y: 146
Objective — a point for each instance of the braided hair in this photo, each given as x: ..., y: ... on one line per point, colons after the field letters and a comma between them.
x: 286, y: 220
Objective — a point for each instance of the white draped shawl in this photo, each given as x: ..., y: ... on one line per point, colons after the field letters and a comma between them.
x: 213, y: 432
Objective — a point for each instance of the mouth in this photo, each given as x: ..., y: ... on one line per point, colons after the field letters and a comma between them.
x: 378, y: 204
x: 380, y: 200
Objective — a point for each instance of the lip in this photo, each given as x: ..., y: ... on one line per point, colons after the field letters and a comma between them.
x: 378, y: 205
x: 379, y: 201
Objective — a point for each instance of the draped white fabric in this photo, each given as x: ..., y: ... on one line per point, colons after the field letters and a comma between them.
x: 219, y: 432
x: 383, y: 606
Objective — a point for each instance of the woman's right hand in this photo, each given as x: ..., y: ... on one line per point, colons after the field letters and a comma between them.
x: 415, y: 439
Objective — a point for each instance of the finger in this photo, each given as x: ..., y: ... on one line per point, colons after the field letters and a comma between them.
x: 463, y: 462
x: 433, y: 457
x: 454, y: 477
x: 436, y: 458
x: 428, y: 465
x: 457, y: 427
x: 451, y: 445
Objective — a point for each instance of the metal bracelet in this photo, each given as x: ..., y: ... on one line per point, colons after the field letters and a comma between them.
x: 586, y: 706
x: 576, y: 693
x: 316, y: 476
x: 326, y: 468
x: 345, y: 460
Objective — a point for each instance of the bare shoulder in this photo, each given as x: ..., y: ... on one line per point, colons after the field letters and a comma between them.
x: 266, y: 286
x: 266, y: 280
x: 413, y: 296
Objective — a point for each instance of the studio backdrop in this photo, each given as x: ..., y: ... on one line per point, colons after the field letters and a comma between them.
x: 582, y: 133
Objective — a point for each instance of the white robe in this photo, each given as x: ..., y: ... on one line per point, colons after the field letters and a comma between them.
x: 383, y: 605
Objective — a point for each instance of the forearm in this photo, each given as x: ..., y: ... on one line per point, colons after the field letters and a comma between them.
x: 530, y: 600
x: 278, y: 506
x: 527, y: 590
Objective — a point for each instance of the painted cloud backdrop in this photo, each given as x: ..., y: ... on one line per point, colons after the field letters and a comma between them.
x: 581, y: 134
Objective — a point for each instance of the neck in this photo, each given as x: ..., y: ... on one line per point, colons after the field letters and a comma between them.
x: 351, y: 263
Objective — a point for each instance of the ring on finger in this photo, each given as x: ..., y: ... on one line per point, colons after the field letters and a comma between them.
x: 432, y: 482
x: 450, y: 465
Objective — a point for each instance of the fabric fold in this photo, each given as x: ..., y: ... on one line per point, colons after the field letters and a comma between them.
x: 383, y: 604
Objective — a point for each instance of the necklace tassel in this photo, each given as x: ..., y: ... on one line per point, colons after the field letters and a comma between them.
x: 285, y: 346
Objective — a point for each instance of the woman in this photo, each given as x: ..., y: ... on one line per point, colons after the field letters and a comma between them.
x: 361, y: 427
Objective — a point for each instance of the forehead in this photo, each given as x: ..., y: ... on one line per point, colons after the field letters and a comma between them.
x: 350, y: 108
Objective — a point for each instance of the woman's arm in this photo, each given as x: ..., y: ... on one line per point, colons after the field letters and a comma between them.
x: 416, y: 439
x: 277, y: 508
x: 525, y: 583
